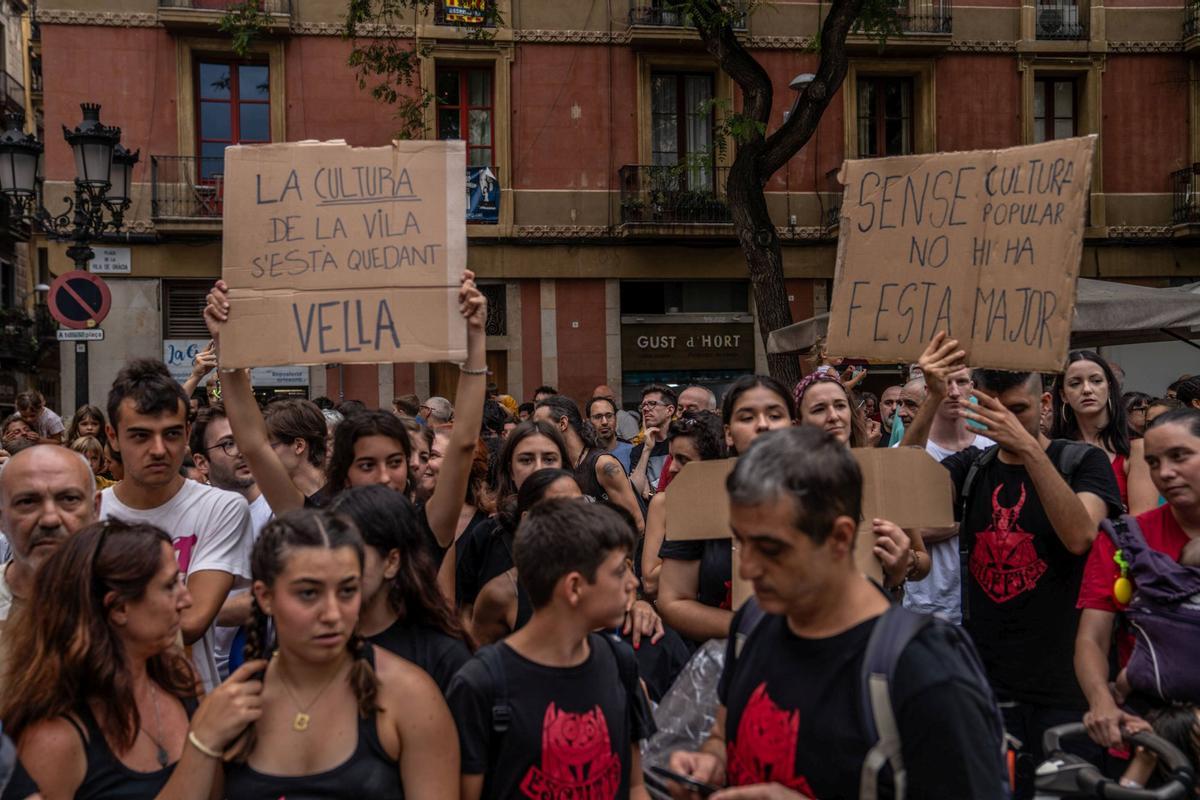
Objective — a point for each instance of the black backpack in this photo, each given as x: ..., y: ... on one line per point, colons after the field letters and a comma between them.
x: 627, y: 668
x: 1069, y: 457
x: 893, y: 632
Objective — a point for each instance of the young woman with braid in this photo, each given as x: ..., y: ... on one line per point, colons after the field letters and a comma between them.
x: 403, y: 610
x: 340, y: 718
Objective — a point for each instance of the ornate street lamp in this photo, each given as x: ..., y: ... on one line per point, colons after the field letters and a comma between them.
x: 103, y: 182
x: 103, y: 185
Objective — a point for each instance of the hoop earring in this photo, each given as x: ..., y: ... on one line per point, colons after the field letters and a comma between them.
x: 1062, y: 412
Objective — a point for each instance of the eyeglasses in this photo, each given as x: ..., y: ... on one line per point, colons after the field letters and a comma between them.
x: 603, y: 417
x: 1138, y: 409
x: 650, y: 405
x: 228, y: 446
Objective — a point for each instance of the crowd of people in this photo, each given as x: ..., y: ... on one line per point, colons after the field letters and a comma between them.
x: 206, y: 597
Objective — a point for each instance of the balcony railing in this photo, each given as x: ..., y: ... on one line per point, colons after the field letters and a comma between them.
x: 926, y: 16
x: 186, y: 187
x: 12, y: 92
x: 1185, y: 191
x: 689, y: 195
x: 266, y: 6
x: 665, y: 15
x: 1191, y: 19
x: 1060, y: 19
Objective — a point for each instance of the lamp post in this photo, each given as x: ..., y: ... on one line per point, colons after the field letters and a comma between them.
x: 103, y: 182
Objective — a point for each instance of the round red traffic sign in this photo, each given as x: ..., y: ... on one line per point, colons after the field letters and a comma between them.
x: 79, y: 299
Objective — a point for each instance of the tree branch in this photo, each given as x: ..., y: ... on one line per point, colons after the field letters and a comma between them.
x: 712, y: 23
x: 831, y: 71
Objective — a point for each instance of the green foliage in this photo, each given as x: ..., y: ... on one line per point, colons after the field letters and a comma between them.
x: 390, y: 66
x: 880, y: 19
x: 245, y: 22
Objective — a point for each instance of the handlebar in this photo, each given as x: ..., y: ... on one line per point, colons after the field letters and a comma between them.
x: 1180, y: 777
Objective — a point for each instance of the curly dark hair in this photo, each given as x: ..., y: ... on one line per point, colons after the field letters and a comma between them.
x: 705, y: 430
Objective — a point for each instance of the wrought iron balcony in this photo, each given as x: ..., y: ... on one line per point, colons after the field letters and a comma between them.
x: 682, y: 194
x: 283, y: 7
x: 1191, y: 19
x: 1060, y: 19
x: 665, y: 14
x: 12, y: 91
x: 926, y: 16
x: 1185, y: 192
x: 186, y: 187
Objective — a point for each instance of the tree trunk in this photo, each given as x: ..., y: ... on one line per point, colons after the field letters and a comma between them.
x: 764, y: 257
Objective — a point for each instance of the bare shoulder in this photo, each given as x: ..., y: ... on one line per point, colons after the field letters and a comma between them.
x: 53, y: 755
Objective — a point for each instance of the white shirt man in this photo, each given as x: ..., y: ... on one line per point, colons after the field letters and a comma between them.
x: 940, y: 593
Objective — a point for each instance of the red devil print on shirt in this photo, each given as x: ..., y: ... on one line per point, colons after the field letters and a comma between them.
x: 1004, y: 560
x: 577, y: 758
x: 765, y: 748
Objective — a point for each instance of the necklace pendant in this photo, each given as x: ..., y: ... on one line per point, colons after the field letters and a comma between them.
x: 163, y: 758
x: 300, y: 723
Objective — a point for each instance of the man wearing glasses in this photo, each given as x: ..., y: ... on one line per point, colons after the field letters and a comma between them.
x: 218, y: 458
x: 1136, y: 406
x: 650, y: 455
x: 602, y: 413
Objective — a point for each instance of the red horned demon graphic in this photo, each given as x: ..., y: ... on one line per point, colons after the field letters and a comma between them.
x: 765, y: 748
x: 577, y: 758
x: 1004, y: 560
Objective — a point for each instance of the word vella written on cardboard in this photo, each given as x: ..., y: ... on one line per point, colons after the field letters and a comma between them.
x: 344, y: 254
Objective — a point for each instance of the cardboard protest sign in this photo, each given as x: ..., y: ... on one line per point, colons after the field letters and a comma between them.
x: 983, y: 244
x: 339, y: 254
x: 901, y: 484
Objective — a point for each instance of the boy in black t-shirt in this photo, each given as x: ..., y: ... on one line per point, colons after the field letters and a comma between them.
x: 790, y: 720
x: 556, y: 710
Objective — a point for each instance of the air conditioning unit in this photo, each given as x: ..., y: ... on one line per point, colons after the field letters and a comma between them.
x: 1058, y: 20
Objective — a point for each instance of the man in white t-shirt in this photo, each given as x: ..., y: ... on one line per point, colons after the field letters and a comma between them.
x: 210, y: 528
x: 45, y: 423
x: 218, y: 458
x: 940, y: 593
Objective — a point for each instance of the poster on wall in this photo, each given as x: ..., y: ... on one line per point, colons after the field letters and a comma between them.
x: 178, y: 355
x: 483, y: 195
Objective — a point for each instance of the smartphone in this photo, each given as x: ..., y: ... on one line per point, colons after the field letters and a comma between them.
x: 699, y: 787
x: 979, y: 426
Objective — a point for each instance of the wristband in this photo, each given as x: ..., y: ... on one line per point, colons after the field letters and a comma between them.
x: 465, y: 370
x: 203, y: 748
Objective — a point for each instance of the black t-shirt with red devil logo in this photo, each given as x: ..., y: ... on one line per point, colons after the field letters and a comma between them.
x: 572, y: 729
x: 793, y: 716
x: 1022, y: 582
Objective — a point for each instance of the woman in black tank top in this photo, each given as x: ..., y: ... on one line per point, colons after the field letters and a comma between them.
x: 96, y: 693
x: 335, y: 713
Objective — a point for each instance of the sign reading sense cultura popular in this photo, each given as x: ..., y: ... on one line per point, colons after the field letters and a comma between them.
x: 339, y: 254
x: 984, y: 245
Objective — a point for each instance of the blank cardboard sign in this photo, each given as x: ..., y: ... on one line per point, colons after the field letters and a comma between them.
x: 901, y: 484
x: 983, y: 244
x: 339, y: 254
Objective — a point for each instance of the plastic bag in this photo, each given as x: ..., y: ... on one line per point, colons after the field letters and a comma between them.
x: 686, y: 714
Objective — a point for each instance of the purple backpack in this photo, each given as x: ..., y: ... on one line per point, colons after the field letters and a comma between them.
x: 1164, y: 615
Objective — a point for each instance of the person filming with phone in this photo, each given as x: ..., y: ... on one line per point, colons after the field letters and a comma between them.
x: 790, y: 722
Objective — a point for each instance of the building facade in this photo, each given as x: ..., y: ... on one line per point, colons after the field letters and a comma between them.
x: 598, y: 222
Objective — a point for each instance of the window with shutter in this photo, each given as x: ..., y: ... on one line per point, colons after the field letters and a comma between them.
x: 183, y: 309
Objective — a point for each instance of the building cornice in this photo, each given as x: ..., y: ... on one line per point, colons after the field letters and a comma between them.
x: 120, y: 19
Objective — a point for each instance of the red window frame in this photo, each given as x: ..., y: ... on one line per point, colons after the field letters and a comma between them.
x: 463, y: 71
x: 877, y: 117
x: 235, y: 100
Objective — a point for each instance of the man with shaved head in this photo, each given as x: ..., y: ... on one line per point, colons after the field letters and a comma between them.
x: 47, y: 493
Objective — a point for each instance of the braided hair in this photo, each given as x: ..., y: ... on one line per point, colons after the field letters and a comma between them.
x: 304, y: 528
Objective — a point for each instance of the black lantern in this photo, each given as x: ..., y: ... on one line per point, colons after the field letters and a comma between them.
x: 20, y: 154
x: 93, y: 144
x: 122, y: 175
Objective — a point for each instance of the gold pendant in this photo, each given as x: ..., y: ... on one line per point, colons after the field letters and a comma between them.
x: 300, y: 723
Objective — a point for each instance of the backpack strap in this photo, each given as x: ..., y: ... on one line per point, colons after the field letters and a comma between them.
x: 627, y: 665
x: 891, y: 635
x: 752, y: 614
x: 501, y: 708
x: 1070, y: 457
x: 964, y: 547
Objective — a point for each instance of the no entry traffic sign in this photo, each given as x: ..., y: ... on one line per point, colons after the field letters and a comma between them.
x: 79, y: 299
